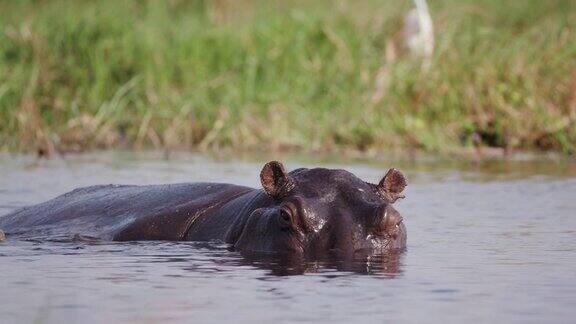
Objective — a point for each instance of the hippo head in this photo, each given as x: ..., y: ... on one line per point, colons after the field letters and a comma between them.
x: 311, y: 211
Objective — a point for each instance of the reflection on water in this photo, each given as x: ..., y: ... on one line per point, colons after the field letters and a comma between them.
x: 385, y: 266
x: 488, y: 242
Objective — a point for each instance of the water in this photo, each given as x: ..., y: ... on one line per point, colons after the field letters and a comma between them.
x: 494, y: 242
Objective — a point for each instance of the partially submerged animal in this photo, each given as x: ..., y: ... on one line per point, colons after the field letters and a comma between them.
x: 306, y: 211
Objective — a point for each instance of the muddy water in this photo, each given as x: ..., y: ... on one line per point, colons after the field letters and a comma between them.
x: 494, y: 242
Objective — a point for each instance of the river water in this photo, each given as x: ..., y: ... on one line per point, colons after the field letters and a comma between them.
x: 489, y: 242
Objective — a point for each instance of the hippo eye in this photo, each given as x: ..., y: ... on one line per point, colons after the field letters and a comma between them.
x: 285, y: 218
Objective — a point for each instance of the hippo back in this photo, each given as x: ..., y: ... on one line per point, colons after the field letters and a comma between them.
x: 121, y: 212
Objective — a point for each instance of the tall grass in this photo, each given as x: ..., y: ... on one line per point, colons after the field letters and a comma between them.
x: 324, y: 75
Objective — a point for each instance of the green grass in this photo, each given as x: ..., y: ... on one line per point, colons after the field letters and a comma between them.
x: 272, y: 75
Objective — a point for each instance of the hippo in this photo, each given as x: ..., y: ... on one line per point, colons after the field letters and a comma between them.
x: 302, y: 212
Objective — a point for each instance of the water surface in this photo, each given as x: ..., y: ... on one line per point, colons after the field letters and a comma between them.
x: 490, y: 242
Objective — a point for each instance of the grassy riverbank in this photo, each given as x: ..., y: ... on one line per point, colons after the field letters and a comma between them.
x: 77, y: 75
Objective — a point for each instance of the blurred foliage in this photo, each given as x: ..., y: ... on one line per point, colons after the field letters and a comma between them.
x: 273, y: 75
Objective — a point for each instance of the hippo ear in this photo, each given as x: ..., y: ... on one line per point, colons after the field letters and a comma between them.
x: 275, y: 181
x: 392, y: 185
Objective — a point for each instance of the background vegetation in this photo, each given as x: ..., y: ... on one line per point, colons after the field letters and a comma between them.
x: 273, y: 75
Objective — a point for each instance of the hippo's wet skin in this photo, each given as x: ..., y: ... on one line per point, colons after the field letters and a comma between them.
x: 305, y: 211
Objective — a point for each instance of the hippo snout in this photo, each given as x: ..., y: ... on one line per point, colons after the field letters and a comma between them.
x: 387, y: 222
x: 388, y: 230
x: 393, y: 227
